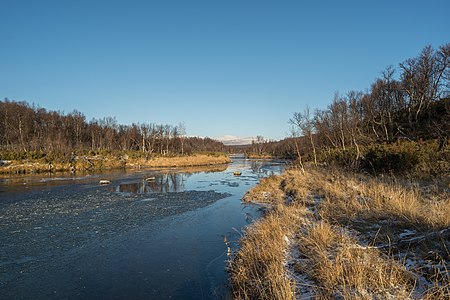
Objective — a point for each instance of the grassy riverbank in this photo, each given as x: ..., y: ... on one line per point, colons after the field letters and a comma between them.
x: 259, y: 156
x: 330, y: 235
x: 104, y: 161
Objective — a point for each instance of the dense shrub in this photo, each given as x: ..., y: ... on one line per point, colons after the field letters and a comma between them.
x: 416, y: 158
x: 385, y: 159
x: 21, y: 155
x: 342, y: 158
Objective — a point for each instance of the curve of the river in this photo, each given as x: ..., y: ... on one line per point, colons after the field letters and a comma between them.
x: 147, y: 235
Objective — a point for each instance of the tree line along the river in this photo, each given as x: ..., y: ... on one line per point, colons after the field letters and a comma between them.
x: 27, y: 131
x: 402, y: 119
x: 405, y: 112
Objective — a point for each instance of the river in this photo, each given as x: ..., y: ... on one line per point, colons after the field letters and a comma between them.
x: 149, y: 234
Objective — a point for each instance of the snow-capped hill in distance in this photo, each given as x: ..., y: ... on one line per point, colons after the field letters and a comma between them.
x: 231, y: 140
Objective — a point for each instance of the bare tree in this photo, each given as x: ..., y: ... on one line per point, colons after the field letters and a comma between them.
x: 296, y: 134
x: 422, y: 78
x: 182, y: 133
x: 305, y: 124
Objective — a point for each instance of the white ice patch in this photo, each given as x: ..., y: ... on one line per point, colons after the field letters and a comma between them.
x: 407, y: 233
x: 147, y: 200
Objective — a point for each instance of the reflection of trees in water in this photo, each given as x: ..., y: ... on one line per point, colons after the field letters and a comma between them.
x: 167, y: 182
x: 134, y: 188
x: 175, y: 181
x: 162, y: 183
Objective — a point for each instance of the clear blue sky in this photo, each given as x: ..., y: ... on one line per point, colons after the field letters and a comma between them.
x: 235, y: 67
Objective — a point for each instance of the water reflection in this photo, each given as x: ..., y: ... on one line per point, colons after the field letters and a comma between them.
x: 14, y: 182
x: 160, y: 183
x: 169, y: 181
x: 230, y: 183
x: 150, y: 234
x: 263, y: 168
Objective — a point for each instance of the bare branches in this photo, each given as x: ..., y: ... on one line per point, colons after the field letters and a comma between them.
x: 24, y: 128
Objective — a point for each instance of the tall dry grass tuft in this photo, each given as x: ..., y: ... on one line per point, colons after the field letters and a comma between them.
x: 294, y: 183
x: 342, y: 268
x: 258, y: 269
x: 372, y: 199
x: 267, y: 191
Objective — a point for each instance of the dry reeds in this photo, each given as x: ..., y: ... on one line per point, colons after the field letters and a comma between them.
x: 352, y: 233
x: 372, y: 199
x: 183, y: 161
x: 111, y: 162
x: 258, y: 269
x: 341, y: 267
x: 267, y: 191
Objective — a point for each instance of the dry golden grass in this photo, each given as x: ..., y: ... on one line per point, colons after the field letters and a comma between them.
x: 259, y: 156
x: 103, y: 162
x: 341, y: 267
x: 267, y: 191
x: 182, y: 161
x: 371, y: 199
x: 258, y: 269
x: 352, y: 233
x: 295, y: 184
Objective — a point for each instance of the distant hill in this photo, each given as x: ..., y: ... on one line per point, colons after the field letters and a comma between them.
x: 231, y: 140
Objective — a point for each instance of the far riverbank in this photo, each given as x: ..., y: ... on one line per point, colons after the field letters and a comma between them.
x: 108, y: 162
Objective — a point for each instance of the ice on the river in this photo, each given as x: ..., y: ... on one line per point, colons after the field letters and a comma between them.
x: 49, y: 223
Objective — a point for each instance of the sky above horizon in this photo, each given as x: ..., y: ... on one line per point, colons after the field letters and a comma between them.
x: 220, y: 67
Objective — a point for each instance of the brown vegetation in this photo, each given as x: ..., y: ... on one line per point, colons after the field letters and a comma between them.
x: 346, y: 236
x: 33, y: 131
x: 34, y: 140
x: 356, y: 236
x: 258, y: 269
x: 104, y: 162
x: 259, y: 156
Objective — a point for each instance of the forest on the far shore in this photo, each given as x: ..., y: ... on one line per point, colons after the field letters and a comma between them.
x: 28, y: 131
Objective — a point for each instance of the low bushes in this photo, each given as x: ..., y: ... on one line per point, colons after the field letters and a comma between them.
x: 414, y: 158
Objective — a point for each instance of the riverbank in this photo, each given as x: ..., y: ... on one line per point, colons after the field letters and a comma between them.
x: 329, y: 234
x: 107, y: 162
x: 259, y: 156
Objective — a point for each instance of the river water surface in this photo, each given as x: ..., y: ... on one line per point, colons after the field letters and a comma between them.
x: 147, y: 235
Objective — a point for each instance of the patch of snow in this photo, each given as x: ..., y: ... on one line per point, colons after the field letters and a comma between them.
x: 286, y: 239
x: 231, y: 140
x: 304, y: 284
x: 4, y: 162
x: 406, y: 233
x: 147, y: 200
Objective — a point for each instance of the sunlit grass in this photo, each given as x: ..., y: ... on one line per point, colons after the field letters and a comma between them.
x: 103, y: 162
x: 353, y: 234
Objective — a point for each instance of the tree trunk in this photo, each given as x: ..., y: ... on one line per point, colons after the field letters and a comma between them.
x: 299, y: 157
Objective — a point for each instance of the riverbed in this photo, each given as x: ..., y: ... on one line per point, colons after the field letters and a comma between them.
x: 149, y: 234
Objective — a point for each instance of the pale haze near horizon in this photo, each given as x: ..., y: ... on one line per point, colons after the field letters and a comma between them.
x: 221, y: 68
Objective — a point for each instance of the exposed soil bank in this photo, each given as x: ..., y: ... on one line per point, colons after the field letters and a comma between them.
x: 100, y: 162
x: 329, y: 235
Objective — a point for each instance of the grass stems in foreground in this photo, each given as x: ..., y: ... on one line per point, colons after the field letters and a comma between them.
x: 332, y: 235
